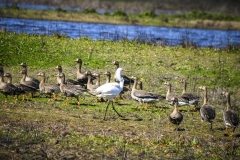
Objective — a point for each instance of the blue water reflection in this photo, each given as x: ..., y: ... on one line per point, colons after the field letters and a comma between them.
x: 96, y: 31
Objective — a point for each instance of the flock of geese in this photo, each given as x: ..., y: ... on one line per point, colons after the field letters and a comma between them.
x: 109, y: 90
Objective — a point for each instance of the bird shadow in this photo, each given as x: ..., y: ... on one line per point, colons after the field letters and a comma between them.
x: 179, y: 129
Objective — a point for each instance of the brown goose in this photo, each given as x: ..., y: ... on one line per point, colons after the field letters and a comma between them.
x: 70, y: 90
x: 19, y: 90
x: 207, y: 111
x: 230, y: 117
x: 46, y: 88
x: 170, y: 96
x: 30, y: 86
x: 175, y: 117
x: 97, y: 77
x: 127, y: 81
x: 192, y: 98
x: 140, y: 85
x: 7, y: 88
x: 81, y: 77
x: 108, y: 74
x: 143, y: 96
x: 91, y: 87
x: 28, y: 78
x: 67, y: 81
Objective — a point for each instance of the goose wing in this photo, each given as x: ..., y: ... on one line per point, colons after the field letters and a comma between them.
x: 109, y: 89
x: 207, y: 113
x: 145, y: 94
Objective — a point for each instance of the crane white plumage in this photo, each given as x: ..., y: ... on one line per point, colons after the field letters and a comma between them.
x: 111, y: 90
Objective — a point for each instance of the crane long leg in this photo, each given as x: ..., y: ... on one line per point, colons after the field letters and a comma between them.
x: 106, y: 110
x: 116, y: 110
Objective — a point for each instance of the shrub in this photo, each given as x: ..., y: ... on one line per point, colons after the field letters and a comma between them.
x: 119, y: 13
x: 91, y: 10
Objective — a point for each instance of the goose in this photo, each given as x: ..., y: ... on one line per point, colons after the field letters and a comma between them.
x: 97, y: 77
x: 111, y: 90
x: 139, y: 83
x: 207, y: 111
x: 70, y: 90
x: 82, y: 78
x: 230, y: 117
x: 28, y: 78
x: 7, y: 88
x: 67, y: 81
x: 47, y: 88
x: 108, y: 74
x: 192, y: 98
x: 91, y: 87
x: 19, y: 90
x: 127, y: 81
x: 30, y: 86
x: 170, y: 96
x: 143, y: 96
x: 175, y: 117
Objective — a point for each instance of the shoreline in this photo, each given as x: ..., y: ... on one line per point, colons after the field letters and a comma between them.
x: 120, y: 20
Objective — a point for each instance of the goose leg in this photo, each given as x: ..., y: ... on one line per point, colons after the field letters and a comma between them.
x: 78, y: 101
x: 6, y: 99
x: 106, y: 110
x: 116, y: 110
x: 168, y: 125
x: 54, y: 97
x: 202, y: 124
x: 226, y: 131
x: 67, y: 101
x: 23, y: 97
x: 232, y: 132
x: 211, y: 127
x: 15, y: 99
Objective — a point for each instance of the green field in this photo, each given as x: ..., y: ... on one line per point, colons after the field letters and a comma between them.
x: 38, y: 129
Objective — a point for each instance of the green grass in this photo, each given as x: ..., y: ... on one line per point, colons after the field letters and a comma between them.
x: 192, y: 19
x: 38, y: 129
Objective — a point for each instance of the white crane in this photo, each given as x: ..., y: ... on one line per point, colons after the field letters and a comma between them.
x: 111, y: 90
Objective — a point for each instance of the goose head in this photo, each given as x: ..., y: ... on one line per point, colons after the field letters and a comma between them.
x: 41, y: 74
x: 23, y: 64
x: 59, y: 68
x: 78, y: 60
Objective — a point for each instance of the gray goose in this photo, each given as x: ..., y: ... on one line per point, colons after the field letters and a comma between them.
x: 175, y: 117
x: 170, y: 96
x: 192, y: 98
x: 19, y: 90
x: 30, y: 86
x: 230, y: 117
x: 207, y: 111
x: 81, y: 77
x: 67, y: 81
x: 46, y: 88
x: 7, y: 88
x: 143, y: 96
x: 127, y: 81
x: 28, y: 78
x: 70, y: 90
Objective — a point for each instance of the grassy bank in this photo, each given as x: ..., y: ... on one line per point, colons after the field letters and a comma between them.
x: 193, y: 19
x: 37, y: 129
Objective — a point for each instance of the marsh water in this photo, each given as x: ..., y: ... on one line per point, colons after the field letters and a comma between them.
x: 113, y: 32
